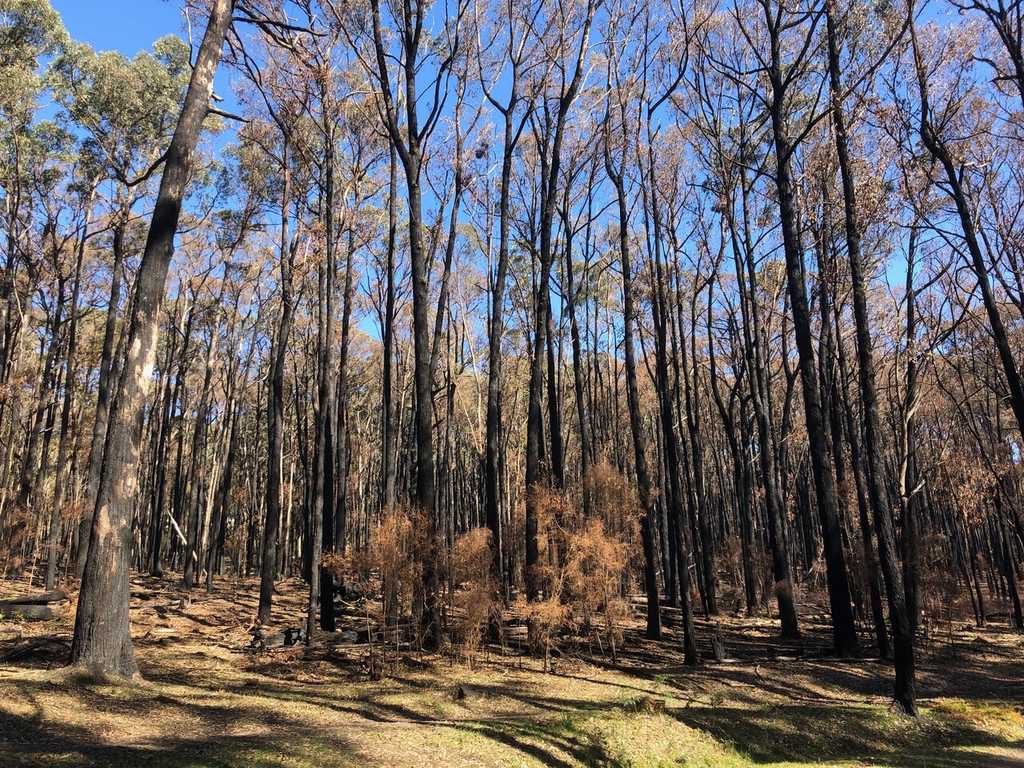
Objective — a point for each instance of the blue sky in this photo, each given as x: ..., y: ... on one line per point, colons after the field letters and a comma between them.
x: 130, y: 26
x: 124, y: 25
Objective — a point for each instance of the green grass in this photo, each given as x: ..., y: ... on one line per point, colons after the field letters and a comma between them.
x: 61, y: 720
x: 207, y: 703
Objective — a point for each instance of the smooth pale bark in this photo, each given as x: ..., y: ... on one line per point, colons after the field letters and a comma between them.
x: 198, y: 471
x: 223, y: 492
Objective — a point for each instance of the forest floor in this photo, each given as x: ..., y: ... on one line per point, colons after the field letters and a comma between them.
x: 209, y: 700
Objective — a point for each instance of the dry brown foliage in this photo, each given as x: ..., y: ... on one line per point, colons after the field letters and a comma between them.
x: 398, y: 545
x: 586, y: 563
x: 593, y: 581
x: 474, y: 593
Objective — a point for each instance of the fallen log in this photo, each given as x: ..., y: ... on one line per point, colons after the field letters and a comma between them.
x: 43, y: 598
x: 35, y: 647
x: 262, y: 641
x: 26, y: 611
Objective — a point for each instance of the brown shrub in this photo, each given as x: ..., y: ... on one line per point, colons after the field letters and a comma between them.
x: 474, y: 593
x: 592, y: 580
x: 585, y: 563
x: 395, y: 554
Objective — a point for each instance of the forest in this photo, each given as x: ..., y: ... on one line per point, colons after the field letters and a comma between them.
x: 479, y: 382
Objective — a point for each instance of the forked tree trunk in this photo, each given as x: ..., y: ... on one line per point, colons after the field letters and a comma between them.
x: 844, y: 634
x: 902, y: 630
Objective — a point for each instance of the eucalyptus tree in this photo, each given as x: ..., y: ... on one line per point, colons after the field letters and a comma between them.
x: 902, y: 628
x: 412, y: 70
x: 102, y: 639
x: 664, y: 41
x: 30, y: 31
x: 730, y: 136
x: 517, y: 60
x: 566, y: 39
x: 621, y: 129
x: 784, y: 41
x: 277, y: 98
x: 946, y: 81
x: 82, y: 186
x: 125, y: 110
x: 53, y: 210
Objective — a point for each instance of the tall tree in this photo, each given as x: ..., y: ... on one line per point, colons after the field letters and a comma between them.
x: 102, y: 641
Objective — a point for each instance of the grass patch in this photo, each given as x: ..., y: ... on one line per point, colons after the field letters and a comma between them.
x: 208, y: 703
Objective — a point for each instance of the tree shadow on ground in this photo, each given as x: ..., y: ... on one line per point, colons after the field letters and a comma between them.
x: 41, y: 739
x: 29, y: 741
x: 774, y: 700
x: 806, y: 733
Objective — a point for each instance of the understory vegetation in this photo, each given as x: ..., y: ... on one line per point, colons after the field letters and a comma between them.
x: 486, y: 381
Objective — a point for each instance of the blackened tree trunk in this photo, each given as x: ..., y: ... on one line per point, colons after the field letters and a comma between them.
x: 493, y: 419
x: 936, y: 146
x: 902, y: 631
x: 744, y: 503
x: 666, y: 418
x: 698, y: 491
x: 61, y: 473
x: 908, y: 484
x: 389, y: 430
x: 103, y: 393
x: 275, y: 403
x: 844, y: 633
x: 408, y: 137
x: 322, y: 507
x: 550, y: 147
x: 102, y: 641
x: 586, y: 460
x: 760, y: 391
x: 863, y: 512
x: 648, y: 522
x: 172, y: 396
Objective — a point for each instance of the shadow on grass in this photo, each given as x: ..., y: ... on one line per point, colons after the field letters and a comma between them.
x: 816, y: 719
x: 36, y: 740
x: 546, y: 741
x: 804, y: 733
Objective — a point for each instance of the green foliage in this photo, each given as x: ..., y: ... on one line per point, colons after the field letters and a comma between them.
x: 29, y: 31
x: 127, y: 107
